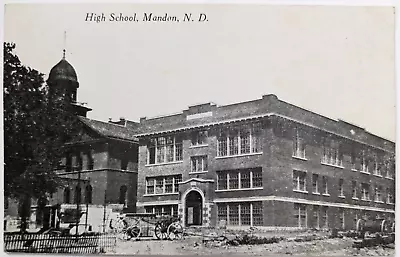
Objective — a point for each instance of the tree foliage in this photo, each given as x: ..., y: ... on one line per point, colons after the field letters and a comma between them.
x: 34, y: 131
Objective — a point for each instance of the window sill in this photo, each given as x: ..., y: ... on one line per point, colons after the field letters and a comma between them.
x: 379, y: 201
x: 197, y: 146
x: 316, y: 193
x: 161, y: 194
x: 238, y: 189
x: 300, y: 191
x: 342, y: 196
x: 164, y: 163
x: 299, y: 158
x: 239, y: 155
x: 389, y: 178
x: 390, y: 203
x: 366, y: 200
x: 197, y: 172
x: 355, y: 198
x: 326, y: 194
x: 379, y: 176
x: 365, y: 172
x: 332, y: 165
x: 354, y: 170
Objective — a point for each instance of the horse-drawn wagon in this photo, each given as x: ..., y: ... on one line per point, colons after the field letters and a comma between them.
x: 137, y: 225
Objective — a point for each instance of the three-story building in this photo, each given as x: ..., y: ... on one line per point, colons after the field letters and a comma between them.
x: 263, y: 163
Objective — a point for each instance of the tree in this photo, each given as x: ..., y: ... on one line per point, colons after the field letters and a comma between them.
x: 35, y: 131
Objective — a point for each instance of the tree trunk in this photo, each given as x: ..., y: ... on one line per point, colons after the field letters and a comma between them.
x: 25, y: 210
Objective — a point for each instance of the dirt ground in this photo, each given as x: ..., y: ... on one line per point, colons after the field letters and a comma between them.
x: 194, y: 245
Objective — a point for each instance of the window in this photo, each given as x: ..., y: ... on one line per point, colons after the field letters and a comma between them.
x: 124, y: 164
x: 353, y: 161
x: 378, y: 194
x: 239, y: 140
x: 88, y: 194
x: 245, y: 214
x: 78, y: 162
x: 364, y: 163
x: 239, y: 179
x: 234, y: 214
x: 365, y: 192
x: 325, y: 220
x: 177, y: 180
x: 163, y: 210
x: 257, y: 178
x: 222, y: 181
x: 241, y: 214
x: 199, y: 138
x: 257, y: 214
x: 169, y: 185
x: 390, y: 168
x: 342, y: 219
x: 68, y: 162
x: 159, y: 185
x: 299, y: 148
x: 377, y: 167
x: 315, y: 219
x: 90, y: 161
x: 233, y: 180
x: 354, y: 190
x: 389, y: 197
x: 164, y: 150
x: 325, y: 189
x: 245, y: 179
x: 199, y: 164
x: 299, y: 180
x: 300, y: 215
x: 123, y: 190
x: 223, y: 212
x: 163, y: 185
x: 315, y: 183
x: 341, y: 187
x: 67, y: 195
x: 150, y: 186
x: 331, y: 154
x: 78, y: 194
x: 148, y: 209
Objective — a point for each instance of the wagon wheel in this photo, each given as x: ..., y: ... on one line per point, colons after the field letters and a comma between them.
x: 175, y: 231
x: 124, y: 235
x: 134, y: 232
x: 161, y: 231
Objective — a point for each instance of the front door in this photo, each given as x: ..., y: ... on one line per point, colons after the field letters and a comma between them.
x: 194, y: 209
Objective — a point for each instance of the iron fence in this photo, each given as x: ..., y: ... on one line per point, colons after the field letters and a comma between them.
x: 47, y: 243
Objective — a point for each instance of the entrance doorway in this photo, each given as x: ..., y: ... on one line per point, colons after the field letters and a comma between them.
x: 193, y: 209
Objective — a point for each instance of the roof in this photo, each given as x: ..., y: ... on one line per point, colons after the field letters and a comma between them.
x: 63, y: 70
x: 110, y: 130
x: 267, y: 106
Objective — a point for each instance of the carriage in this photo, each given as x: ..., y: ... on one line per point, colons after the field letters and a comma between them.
x: 136, y: 225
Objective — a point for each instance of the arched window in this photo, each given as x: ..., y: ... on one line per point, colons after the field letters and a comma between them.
x: 88, y: 195
x: 122, y: 195
x: 67, y: 195
x: 78, y: 194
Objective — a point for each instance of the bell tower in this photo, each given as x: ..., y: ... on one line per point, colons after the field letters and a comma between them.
x: 63, y: 86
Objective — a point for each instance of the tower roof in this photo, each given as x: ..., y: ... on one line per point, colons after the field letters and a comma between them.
x: 63, y: 70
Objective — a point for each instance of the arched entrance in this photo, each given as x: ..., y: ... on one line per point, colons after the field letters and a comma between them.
x: 193, y: 209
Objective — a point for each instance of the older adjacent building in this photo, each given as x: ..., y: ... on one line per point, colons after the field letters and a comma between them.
x: 263, y: 163
x: 100, y: 169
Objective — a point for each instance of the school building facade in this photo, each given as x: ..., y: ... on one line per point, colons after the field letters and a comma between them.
x: 265, y: 163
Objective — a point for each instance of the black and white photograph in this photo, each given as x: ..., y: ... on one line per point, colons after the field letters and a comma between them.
x: 199, y: 129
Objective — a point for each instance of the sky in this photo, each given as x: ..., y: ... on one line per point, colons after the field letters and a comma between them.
x: 335, y: 61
